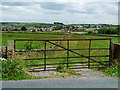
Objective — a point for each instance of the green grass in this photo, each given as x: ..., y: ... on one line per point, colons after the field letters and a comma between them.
x: 14, y: 35
x: 112, y: 70
x: 114, y: 39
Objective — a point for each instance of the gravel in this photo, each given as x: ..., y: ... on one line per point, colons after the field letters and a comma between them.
x: 44, y: 73
x: 86, y: 72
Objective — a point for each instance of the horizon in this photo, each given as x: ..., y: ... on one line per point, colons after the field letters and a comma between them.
x: 53, y: 23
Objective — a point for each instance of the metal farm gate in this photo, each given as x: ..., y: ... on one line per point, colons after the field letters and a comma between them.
x: 70, y: 53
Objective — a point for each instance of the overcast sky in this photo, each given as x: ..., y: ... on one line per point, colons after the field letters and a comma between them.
x: 65, y: 11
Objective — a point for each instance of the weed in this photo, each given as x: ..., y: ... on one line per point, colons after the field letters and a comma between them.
x: 62, y: 69
x: 28, y: 45
x: 112, y: 70
x: 13, y: 70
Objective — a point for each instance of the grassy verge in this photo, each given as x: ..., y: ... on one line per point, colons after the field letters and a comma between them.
x: 13, y: 70
x: 112, y: 70
x: 16, y: 70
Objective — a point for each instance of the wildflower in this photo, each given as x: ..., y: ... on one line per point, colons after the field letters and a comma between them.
x: 2, y: 59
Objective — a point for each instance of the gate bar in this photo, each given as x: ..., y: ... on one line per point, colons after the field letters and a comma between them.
x: 75, y: 52
x: 59, y: 39
x: 45, y: 56
x: 67, y: 53
x: 89, y: 54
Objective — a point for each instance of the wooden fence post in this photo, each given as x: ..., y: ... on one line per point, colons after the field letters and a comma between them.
x: 10, y: 49
x: 117, y: 52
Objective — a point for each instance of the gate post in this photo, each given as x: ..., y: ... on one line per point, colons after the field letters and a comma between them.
x: 110, y: 53
x: 11, y: 49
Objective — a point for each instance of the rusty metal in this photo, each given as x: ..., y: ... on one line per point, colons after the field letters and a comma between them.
x: 59, y: 39
x: 68, y: 49
x: 67, y: 53
x: 89, y: 54
x: 61, y: 49
x: 63, y: 57
x: 45, y: 56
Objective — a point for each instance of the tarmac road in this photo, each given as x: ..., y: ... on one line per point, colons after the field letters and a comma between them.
x: 69, y: 82
x: 91, y: 79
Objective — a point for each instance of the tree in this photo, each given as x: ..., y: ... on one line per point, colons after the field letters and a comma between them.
x: 23, y: 28
x: 57, y: 27
x: 118, y: 29
x: 109, y: 30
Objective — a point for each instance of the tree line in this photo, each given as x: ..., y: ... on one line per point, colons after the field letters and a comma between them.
x: 109, y: 30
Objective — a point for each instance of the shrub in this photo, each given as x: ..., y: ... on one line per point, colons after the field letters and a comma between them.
x: 28, y: 45
x: 13, y: 70
x: 112, y: 71
x: 23, y: 28
x: 90, y: 32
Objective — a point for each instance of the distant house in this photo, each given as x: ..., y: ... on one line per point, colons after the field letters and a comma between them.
x: 4, y: 28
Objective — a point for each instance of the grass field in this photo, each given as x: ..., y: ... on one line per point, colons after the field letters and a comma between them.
x: 73, y: 45
x: 11, y: 36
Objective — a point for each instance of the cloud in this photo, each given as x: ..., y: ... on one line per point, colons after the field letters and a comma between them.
x: 81, y: 7
x: 57, y: 8
x: 111, y: 8
x: 16, y: 4
x: 52, y: 6
x: 60, y: 1
x: 19, y: 7
x: 62, y: 10
x: 9, y: 8
x: 94, y: 8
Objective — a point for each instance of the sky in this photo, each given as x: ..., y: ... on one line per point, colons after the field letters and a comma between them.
x: 64, y: 11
